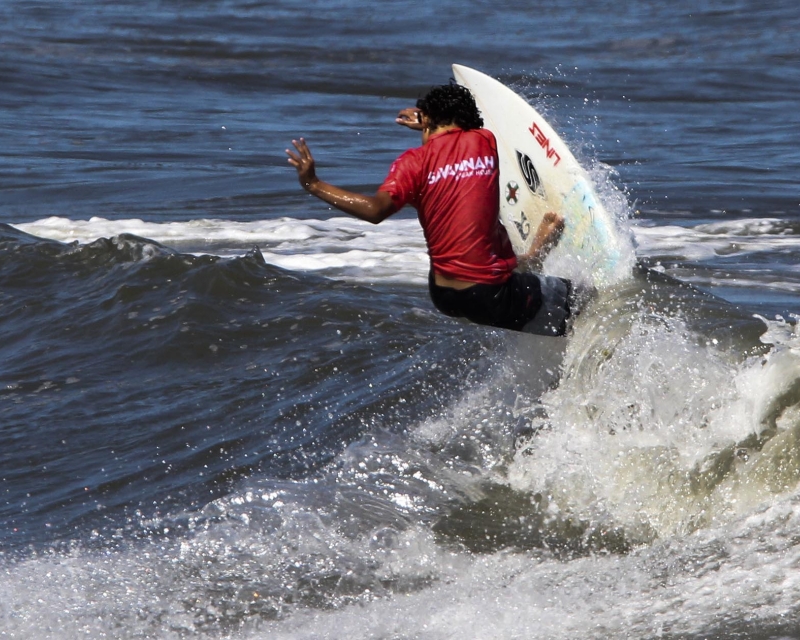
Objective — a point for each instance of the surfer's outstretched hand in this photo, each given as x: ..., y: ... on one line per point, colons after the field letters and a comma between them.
x: 303, y: 161
x: 411, y: 118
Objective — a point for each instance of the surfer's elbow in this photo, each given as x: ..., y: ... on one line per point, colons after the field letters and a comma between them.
x: 381, y: 207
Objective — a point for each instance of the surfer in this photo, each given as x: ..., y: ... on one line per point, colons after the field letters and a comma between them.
x: 452, y: 180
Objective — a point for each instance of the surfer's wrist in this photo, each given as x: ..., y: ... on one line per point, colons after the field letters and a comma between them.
x: 531, y: 261
x: 312, y: 185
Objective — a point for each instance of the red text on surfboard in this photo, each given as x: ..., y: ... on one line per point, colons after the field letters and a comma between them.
x: 544, y: 143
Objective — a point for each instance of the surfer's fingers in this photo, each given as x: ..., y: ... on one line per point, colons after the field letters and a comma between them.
x: 302, y: 148
x: 551, y: 217
x: 411, y: 114
x: 410, y: 117
x: 554, y: 224
x: 296, y: 161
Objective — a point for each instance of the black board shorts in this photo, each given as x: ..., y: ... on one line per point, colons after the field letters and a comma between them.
x: 526, y: 302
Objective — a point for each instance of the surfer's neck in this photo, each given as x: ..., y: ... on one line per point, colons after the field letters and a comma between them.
x: 427, y: 132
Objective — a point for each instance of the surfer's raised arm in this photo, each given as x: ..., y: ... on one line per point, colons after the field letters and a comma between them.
x: 372, y: 209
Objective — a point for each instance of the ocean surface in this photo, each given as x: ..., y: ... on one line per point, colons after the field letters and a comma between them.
x: 228, y: 411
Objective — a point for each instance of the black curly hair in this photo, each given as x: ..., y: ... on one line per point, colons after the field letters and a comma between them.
x: 451, y: 104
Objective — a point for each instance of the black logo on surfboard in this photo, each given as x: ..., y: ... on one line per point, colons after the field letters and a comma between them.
x: 523, y: 226
x: 529, y: 173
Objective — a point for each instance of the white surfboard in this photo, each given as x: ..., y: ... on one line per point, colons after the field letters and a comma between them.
x: 538, y: 173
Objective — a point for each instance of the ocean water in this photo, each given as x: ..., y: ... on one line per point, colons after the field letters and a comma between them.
x: 228, y: 411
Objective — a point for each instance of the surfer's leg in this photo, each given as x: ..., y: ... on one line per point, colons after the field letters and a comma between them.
x: 474, y: 303
x: 580, y: 296
x: 487, y: 304
x: 550, y: 319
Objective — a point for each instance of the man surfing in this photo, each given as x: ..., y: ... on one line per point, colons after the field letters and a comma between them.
x: 452, y: 180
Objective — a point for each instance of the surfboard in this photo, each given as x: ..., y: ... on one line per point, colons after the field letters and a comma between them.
x: 538, y: 173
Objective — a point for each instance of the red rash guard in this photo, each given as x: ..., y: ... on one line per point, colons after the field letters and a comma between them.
x: 452, y: 182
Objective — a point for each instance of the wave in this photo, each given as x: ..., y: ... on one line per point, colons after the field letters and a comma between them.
x: 384, y: 456
x: 656, y: 459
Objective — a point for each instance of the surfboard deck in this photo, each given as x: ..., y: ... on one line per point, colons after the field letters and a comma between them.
x: 538, y: 173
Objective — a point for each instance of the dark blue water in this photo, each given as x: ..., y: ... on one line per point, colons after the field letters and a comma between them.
x: 228, y: 411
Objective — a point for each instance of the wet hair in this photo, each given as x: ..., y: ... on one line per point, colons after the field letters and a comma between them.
x: 451, y: 104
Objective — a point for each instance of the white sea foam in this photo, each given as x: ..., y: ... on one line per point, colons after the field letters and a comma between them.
x: 705, y: 241
x: 395, y: 250
x: 693, y: 586
x: 659, y: 432
x: 340, y: 247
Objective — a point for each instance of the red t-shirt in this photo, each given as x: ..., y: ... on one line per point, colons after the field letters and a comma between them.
x: 452, y: 182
